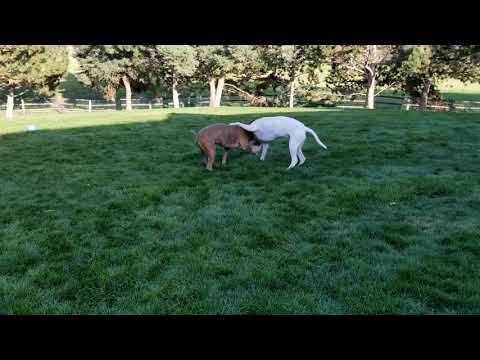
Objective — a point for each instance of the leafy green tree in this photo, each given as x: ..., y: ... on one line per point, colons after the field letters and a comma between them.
x: 214, y: 63
x: 285, y: 61
x: 174, y: 64
x: 356, y: 68
x: 75, y: 85
x: 420, y: 67
x: 110, y: 66
x: 284, y: 64
x: 37, y: 67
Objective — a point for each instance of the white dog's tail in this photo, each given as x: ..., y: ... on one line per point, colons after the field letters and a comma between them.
x: 316, y: 137
x: 194, y: 132
x: 248, y: 127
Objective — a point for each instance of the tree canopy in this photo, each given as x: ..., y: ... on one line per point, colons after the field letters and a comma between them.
x: 31, y: 67
x: 419, y: 68
x: 173, y: 65
x: 110, y: 66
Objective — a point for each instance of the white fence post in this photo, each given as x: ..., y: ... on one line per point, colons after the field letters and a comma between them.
x: 407, y: 107
x: 23, y: 106
x: 89, y: 105
x: 150, y: 105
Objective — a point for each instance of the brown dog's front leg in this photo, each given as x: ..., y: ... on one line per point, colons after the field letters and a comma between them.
x: 211, y: 158
x: 203, y: 157
x: 224, y: 158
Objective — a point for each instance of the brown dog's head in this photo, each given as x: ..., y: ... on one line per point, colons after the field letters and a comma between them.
x: 254, y: 149
x: 253, y: 143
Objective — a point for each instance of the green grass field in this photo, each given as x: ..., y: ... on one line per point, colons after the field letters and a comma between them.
x: 112, y: 213
x: 452, y: 89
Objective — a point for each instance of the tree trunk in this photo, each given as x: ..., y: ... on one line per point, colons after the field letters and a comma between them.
x: 212, y: 92
x: 371, y: 76
x: 118, y: 101
x: 110, y: 93
x: 176, y: 103
x: 9, y: 110
x: 113, y: 96
x: 128, y: 92
x: 292, y: 92
x: 424, y: 95
x: 370, y: 100
x: 218, y: 93
x: 59, y: 101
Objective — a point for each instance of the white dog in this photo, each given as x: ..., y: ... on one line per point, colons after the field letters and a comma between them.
x: 267, y: 129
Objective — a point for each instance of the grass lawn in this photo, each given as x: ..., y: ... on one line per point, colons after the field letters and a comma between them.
x: 108, y: 213
x: 456, y: 90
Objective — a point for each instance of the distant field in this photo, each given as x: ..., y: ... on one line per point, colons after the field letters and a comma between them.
x: 112, y: 213
x: 456, y: 90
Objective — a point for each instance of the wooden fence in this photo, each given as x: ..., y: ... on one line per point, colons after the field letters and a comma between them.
x: 403, y: 103
x: 76, y: 105
x: 71, y: 105
x: 457, y: 106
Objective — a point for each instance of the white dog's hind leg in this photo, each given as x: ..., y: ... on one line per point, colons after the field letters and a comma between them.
x: 300, y: 154
x: 301, y: 157
x: 264, y: 151
x: 293, y: 146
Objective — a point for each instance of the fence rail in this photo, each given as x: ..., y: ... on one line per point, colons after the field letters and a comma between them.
x: 101, y: 105
x: 78, y: 105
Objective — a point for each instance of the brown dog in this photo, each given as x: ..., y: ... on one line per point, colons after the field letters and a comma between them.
x: 226, y: 136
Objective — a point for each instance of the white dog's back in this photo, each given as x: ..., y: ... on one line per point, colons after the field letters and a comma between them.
x: 272, y: 127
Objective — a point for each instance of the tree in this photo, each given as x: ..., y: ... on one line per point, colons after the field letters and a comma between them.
x: 38, y: 67
x: 420, y: 67
x: 110, y: 66
x: 214, y: 63
x: 243, y: 65
x: 75, y: 85
x: 246, y: 70
x: 356, y: 67
x: 286, y: 63
x: 175, y: 64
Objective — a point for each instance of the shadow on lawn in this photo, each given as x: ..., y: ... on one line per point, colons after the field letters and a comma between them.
x: 168, y: 140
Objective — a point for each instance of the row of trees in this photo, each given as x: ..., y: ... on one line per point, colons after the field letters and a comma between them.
x: 415, y: 69
x: 363, y: 69
x: 109, y: 67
